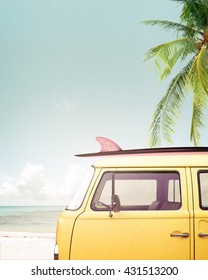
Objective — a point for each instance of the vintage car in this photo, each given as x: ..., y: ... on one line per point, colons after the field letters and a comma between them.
x: 138, y: 204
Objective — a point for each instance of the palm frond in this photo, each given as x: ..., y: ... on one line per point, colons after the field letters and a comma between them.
x: 168, y: 108
x: 193, y: 30
x: 202, y: 68
x: 166, y: 55
x: 178, y: 27
x: 198, y: 80
x: 195, y: 13
x: 197, y: 117
x: 198, y: 75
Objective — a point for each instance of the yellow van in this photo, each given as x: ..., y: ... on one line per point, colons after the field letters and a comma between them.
x: 139, y: 204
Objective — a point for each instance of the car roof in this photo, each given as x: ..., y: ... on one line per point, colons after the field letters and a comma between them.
x: 112, y: 155
x: 161, y: 158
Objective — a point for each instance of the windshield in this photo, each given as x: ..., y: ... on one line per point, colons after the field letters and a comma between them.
x: 79, y: 195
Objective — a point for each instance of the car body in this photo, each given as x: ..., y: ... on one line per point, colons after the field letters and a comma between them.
x: 139, y: 204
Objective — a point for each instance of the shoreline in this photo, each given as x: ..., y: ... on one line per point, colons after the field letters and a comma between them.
x: 26, y: 245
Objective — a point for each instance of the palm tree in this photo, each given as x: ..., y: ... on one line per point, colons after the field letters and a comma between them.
x: 191, y: 48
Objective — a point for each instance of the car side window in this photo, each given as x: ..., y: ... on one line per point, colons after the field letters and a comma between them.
x: 139, y: 191
x: 203, y: 189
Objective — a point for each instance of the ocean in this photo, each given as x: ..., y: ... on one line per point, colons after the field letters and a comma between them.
x: 38, y: 219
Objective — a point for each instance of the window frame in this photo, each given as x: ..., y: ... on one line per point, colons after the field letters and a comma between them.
x: 204, y: 208
x: 99, y: 189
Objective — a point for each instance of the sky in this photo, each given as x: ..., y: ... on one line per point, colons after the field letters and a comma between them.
x: 72, y: 70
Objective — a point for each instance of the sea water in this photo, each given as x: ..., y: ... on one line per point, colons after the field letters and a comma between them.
x: 41, y: 219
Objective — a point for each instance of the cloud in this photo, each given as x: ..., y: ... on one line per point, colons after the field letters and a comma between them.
x: 32, y: 186
x: 31, y: 182
x: 8, y: 190
x: 65, y: 190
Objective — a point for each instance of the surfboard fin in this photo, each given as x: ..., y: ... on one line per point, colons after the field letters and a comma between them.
x: 107, y: 145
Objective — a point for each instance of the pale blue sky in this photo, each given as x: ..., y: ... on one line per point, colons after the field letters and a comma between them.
x: 72, y: 70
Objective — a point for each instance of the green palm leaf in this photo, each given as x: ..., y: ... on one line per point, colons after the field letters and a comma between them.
x: 178, y: 27
x: 195, y: 13
x: 193, y: 27
x: 197, y: 122
x: 198, y: 75
x: 198, y: 80
x: 166, y: 55
x: 168, y: 108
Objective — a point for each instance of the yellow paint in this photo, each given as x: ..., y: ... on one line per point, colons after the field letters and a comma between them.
x: 88, y: 234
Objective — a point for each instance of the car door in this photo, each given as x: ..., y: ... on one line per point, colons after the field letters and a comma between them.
x: 200, y: 191
x: 151, y: 221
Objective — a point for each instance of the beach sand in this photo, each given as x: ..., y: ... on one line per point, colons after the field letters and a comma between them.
x: 26, y: 246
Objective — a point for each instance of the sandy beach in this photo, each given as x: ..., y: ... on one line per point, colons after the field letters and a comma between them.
x: 26, y: 246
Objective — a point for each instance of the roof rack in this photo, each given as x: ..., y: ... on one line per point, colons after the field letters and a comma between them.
x: 109, y: 147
